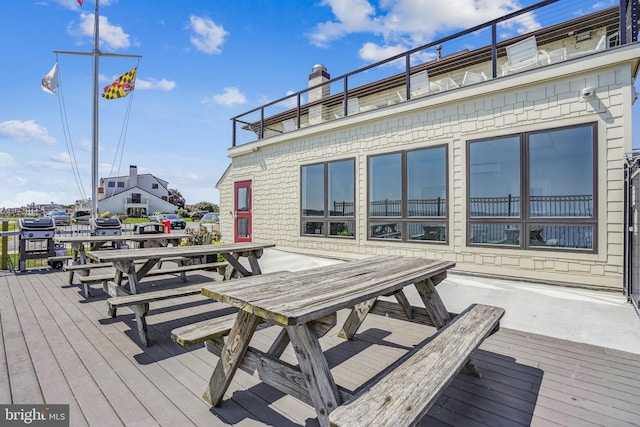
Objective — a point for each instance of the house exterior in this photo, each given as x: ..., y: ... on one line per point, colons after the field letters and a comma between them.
x: 507, y: 164
x: 134, y: 195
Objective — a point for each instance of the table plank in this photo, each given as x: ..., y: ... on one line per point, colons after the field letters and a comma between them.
x: 303, y: 296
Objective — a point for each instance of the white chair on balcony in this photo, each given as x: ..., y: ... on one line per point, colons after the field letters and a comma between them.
x: 420, y: 84
x: 471, y: 77
x: 446, y: 84
x: 288, y: 125
x: 524, y: 54
x: 353, y: 107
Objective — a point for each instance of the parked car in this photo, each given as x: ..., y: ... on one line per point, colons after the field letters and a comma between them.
x: 80, y: 217
x: 175, y: 220
x: 198, y: 214
x: 210, y: 221
x: 59, y: 217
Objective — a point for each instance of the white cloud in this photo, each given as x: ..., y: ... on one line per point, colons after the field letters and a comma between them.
x: 404, y: 24
x: 231, y: 96
x: 6, y: 161
x: 111, y: 36
x: 351, y: 16
x: 27, y: 130
x: 207, y: 37
x: 373, y: 53
x: 155, y: 84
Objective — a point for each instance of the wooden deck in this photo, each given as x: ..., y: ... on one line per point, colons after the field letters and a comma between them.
x: 57, y: 348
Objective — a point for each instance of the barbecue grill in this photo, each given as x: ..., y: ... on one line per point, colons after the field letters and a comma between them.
x: 105, y: 227
x: 36, y: 239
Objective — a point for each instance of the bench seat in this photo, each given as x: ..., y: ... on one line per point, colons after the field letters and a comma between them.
x: 107, y: 277
x: 139, y: 303
x: 404, y: 395
x: 198, y: 333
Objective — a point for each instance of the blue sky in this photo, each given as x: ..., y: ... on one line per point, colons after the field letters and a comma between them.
x: 202, y: 63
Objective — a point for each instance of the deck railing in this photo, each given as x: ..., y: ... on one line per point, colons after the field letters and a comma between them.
x: 447, y: 61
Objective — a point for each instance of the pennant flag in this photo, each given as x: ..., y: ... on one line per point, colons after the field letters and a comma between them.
x: 122, y: 86
x: 80, y: 2
x: 50, y: 81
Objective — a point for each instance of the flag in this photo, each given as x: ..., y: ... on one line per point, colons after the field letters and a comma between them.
x: 80, y: 2
x: 122, y: 86
x: 50, y: 81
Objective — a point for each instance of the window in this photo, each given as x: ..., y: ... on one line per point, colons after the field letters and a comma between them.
x: 154, y: 186
x: 120, y: 184
x: 111, y: 184
x: 328, y: 195
x: 408, y: 196
x: 534, y: 190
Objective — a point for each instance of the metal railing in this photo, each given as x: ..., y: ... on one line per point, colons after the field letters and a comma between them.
x: 390, y: 81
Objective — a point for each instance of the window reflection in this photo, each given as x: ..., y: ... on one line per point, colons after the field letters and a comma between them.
x: 332, y: 185
x: 409, y: 185
x: 385, y: 185
x: 494, y: 183
x: 561, y: 173
x: 313, y: 190
x: 559, y: 182
x: 427, y: 182
x: 341, y: 188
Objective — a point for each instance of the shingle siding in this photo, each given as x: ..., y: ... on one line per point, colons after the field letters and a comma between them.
x: 275, y: 171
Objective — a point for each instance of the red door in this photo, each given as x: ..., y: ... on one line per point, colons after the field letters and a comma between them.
x: 242, y: 211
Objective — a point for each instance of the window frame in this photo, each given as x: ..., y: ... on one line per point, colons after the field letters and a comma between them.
x: 525, y: 220
x: 404, y: 219
x: 327, y: 219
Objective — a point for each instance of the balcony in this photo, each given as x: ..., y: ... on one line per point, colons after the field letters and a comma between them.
x: 430, y: 70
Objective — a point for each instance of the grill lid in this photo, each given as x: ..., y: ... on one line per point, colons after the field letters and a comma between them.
x: 108, y: 223
x: 36, y: 224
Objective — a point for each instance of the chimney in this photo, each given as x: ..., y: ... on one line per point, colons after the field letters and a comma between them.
x: 133, y: 176
x: 318, y: 76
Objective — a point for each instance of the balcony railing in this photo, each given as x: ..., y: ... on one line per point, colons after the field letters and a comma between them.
x: 445, y: 64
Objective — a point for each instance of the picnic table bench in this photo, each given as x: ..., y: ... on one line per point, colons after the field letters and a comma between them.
x: 124, y: 263
x: 404, y: 395
x: 305, y: 304
x: 105, y: 278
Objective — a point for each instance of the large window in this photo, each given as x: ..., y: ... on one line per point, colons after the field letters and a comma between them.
x: 408, y: 196
x: 328, y: 196
x: 534, y: 190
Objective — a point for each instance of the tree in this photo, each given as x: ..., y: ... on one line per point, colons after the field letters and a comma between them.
x: 206, y: 206
x: 176, y: 198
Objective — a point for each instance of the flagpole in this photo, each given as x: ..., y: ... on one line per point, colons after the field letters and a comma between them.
x: 96, y: 97
x: 94, y: 124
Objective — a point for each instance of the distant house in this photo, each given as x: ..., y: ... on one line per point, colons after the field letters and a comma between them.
x: 506, y: 157
x: 134, y: 195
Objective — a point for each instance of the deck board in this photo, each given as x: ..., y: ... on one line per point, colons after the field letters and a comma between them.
x: 59, y: 348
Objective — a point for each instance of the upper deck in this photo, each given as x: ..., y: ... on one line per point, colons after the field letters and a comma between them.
x: 473, y: 56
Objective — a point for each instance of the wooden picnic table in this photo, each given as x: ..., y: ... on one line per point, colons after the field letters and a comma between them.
x: 78, y: 243
x: 123, y: 261
x: 305, y: 304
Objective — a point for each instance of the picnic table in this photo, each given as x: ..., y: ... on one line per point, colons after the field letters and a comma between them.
x: 305, y: 303
x: 78, y: 243
x: 135, y: 264
x: 124, y: 260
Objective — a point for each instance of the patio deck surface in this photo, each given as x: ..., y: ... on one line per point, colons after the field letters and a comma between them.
x: 57, y: 348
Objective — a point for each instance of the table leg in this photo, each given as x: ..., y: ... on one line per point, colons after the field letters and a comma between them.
x: 322, y: 388
x: 234, y: 269
x: 433, y: 303
x: 355, y: 319
x: 231, y: 357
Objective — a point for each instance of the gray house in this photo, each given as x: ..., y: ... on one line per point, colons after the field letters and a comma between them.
x: 134, y: 195
x: 505, y: 156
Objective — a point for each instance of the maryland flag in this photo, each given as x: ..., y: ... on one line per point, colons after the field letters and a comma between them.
x: 122, y: 86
